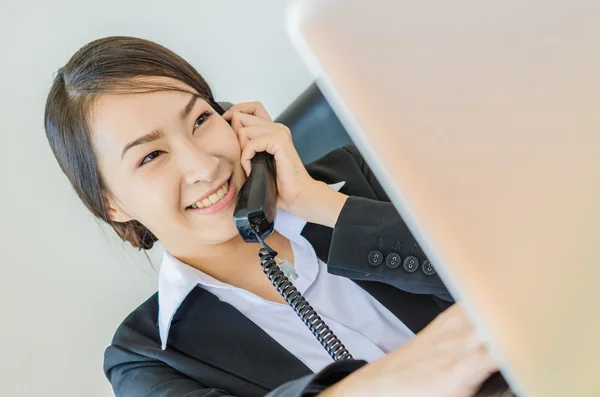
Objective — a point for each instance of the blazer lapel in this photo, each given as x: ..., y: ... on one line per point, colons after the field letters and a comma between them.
x: 218, y: 334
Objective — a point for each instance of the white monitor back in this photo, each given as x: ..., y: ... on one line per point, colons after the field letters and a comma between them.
x: 482, y: 120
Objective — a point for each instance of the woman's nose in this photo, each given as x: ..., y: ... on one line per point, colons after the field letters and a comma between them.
x: 198, y: 166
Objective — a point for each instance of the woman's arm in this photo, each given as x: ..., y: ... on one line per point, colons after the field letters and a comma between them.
x: 366, y: 228
x: 365, y: 224
x: 445, y: 359
x: 134, y: 375
x: 443, y: 356
x: 131, y: 374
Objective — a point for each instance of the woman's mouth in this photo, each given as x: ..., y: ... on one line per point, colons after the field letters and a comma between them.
x: 217, y: 201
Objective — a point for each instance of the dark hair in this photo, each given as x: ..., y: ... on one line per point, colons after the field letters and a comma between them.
x: 107, y: 66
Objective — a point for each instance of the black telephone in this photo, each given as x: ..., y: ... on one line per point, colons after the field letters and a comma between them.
x: 254, y: 218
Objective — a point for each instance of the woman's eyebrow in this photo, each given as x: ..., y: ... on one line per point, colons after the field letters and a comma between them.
x: 157, y: 134
x: 149, y: 137
x: 188, y: 108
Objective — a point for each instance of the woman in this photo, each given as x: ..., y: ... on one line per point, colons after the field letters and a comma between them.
x: 137, y: 132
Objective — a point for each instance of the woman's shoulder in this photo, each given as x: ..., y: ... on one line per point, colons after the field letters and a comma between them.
x: 347, y: 164
x: 136, y: 338
x: 142, y: 321
x: 340, y: 164
x: 141, y: 327
x: 346, y: 153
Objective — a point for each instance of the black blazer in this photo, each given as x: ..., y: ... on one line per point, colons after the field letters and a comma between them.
x: 214, y: 350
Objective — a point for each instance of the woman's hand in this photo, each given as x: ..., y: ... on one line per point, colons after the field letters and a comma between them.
x: 299, y: 193
x: 446, y: 359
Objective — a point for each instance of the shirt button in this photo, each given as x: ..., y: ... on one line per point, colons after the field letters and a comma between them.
x: 393, y: 260
x: 375, y: 258
x: 411, y: 264
x: 428, y: 268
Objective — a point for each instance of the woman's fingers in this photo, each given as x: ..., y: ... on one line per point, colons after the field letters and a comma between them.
x: 250, y: 121
x: 473, y: 363
x: 474, y: 370
x: 271, y: 143
x: 261, y: 138
x: 240, y: 120
x: 251, y: 108
x: 255, y: 131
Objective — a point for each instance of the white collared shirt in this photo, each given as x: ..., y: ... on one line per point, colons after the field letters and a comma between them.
x: 367, y: 328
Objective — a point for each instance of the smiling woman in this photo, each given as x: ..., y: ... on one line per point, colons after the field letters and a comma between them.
x: 138, y: 134
x: 161, y: 153
x: 129, y: 66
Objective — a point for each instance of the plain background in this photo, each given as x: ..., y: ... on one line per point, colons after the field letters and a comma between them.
x: 65, y: 282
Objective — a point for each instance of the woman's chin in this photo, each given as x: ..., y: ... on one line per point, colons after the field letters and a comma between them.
x: 224, y: 234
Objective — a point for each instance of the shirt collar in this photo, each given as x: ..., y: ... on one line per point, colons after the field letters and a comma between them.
x: 177, y: 279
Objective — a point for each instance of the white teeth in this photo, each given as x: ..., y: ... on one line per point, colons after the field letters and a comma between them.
x: 213, y: 198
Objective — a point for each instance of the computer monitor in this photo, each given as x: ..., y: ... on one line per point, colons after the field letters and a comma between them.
x: 482, y: 121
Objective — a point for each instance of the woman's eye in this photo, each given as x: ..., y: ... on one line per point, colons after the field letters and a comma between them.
x: 202, y: 118
x: 151, y: 157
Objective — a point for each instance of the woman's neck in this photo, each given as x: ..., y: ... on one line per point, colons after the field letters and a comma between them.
x: 234, y: 261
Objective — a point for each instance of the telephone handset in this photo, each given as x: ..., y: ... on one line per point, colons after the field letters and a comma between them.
x: 254, y: 218
x: 257, y: 200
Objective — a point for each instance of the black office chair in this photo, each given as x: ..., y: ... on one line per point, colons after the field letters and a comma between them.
x: 316, y: 130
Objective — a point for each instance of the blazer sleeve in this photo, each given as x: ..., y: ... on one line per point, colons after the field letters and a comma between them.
x: 367, y: 227
x: 134, y: 375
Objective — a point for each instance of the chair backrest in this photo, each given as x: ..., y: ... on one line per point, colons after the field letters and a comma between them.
x: 316, y: 130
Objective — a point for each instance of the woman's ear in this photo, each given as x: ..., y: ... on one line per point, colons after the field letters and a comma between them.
x: 115, y: 213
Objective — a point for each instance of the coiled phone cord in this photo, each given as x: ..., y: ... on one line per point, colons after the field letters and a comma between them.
x: 294, y: 298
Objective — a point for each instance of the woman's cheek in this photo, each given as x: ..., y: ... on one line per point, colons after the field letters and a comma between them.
x: 232, y: 138
x: 160, y: 195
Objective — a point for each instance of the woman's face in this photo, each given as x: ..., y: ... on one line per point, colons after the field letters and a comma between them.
x: 170, y: 162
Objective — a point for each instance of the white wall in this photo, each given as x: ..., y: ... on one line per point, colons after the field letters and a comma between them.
x: 65, y: 285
